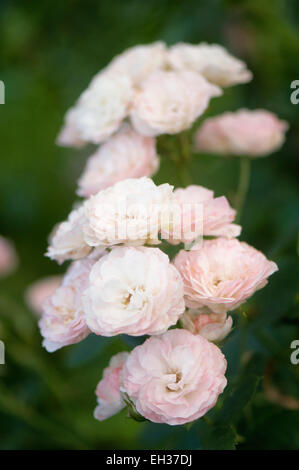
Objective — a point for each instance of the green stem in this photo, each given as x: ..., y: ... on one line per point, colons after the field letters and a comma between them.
x: 185, y: 146
x: 242, y: 337
x: 178, y: 151
x: 185, y: 158
x: 184, y: 174
x: 243, y: 186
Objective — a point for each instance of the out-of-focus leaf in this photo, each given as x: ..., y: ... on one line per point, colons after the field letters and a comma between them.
x: 87, y: 350
x: 217, y: 437
x: 274, y: 429
x: 237, y: 398
x: 133, y: 341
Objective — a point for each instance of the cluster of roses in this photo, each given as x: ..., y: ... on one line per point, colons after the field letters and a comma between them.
x: 118, y: 283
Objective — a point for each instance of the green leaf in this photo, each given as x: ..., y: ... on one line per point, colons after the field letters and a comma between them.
x: 133, y: 413
x: 217, y: 437
x: 86, y: 350
x: 133, y: 341
x: 238, y: 398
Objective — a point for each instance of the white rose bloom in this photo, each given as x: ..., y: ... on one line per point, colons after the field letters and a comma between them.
x: 212, y: 326
x: 139, y: 61
x: 125, y: 155
x: 99, y: 111
x: 212, y: 61
x: 135, y: 291
x: 170, y: 101
x: 67, y: 240
x: 133, y: 211
x: 70, y: 135
x: 63, y: 320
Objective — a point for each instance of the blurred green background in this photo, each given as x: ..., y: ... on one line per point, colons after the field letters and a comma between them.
x: 49, y: 52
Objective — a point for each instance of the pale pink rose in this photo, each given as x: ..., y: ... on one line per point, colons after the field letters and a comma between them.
x: 67, y: 240
x: 125, y: 155
x: 70, y: 135
x: 37, y: 292
x: 251, y: 133
x: 63, y: 321
x: 133, y: 291
x: 132, y: 211
x: 8, y: 257
x: 174, y: 378
x: 99, y: 111
x: 138, y: 62
x: 197, y: 213
x: 108, y: 389
x: 169, y: 102
x: 210, y: 60
x: 221, y: 274
x: 212, y: 326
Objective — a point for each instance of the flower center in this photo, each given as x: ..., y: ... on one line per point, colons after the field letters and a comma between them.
x: 134, y: 296
x: 127, y: 300
x: 178, y: 377
x: 174, y: 384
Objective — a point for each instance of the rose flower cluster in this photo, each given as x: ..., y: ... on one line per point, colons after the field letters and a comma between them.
x: 120, y: 281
